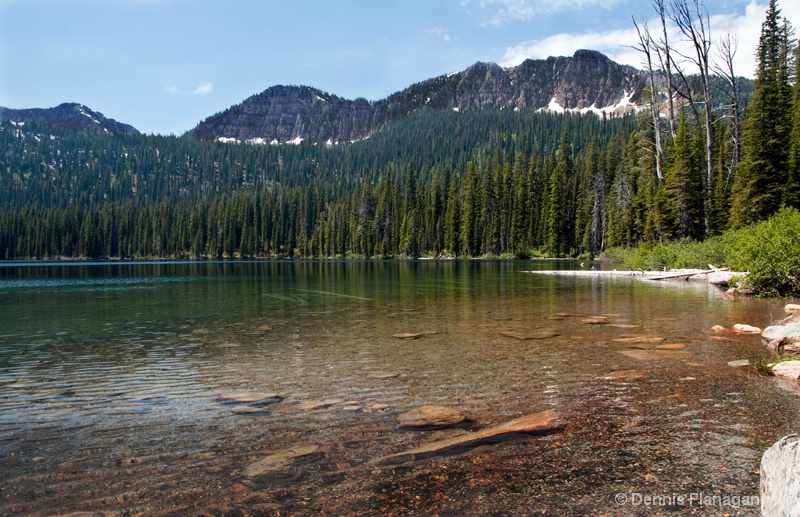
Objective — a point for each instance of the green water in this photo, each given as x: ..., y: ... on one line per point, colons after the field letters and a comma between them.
x: 110, y: 376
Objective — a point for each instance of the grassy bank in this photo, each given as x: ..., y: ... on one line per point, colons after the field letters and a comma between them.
x: 770, y: 251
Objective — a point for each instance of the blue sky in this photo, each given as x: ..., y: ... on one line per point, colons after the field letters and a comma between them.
x: 164, y: 65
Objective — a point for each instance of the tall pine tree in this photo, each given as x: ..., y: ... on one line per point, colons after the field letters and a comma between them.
x: 760, y: 186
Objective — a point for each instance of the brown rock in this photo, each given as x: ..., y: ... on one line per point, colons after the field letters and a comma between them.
x: 407, y: 335
x: 672, y: 346
x: 638, y: 339
x: 378, y: 406
x: 524, y: 336
x: 279, y: 460
x: 595, y: 320
x: 427, y: 417
x: 654, y: 355
x: 538, y: 424
x: 627, y: 375
x: 311, y: 405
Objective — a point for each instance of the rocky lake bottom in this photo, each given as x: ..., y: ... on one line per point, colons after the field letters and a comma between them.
x: 128, y: 415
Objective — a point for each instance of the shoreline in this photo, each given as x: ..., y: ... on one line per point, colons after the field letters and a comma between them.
x: 721, y: 277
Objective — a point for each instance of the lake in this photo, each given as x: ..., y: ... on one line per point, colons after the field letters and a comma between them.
x: 111, y: 376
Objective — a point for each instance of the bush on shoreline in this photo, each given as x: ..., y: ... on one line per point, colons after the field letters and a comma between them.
x: 769, y: 251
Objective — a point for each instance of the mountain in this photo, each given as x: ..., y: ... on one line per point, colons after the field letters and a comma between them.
x: 69, y: 115
x: 586, y: 81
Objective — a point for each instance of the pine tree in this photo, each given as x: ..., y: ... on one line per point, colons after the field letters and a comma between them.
x: 793, y: 182
x: 558, y: 238
x: 684, y: 182
x: 759, y: 189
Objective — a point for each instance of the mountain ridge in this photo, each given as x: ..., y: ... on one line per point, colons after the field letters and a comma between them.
x: 68, y: 115
x: 586, y: 81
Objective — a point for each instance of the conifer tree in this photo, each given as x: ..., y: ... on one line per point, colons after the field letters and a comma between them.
x: 558, y: 238
x: 684, y: 183
x: 760, y: 186
x: 793, y: 181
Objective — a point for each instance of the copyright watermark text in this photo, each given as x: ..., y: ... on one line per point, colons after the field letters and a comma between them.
x: 695, y: 499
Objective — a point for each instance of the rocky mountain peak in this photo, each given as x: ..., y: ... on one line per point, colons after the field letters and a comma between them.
x: 69, y: 115
x: 586, y: 81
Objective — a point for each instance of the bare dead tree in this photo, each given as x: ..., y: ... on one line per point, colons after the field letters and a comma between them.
x: 695, y: 25
x: 664, y: 53
x: 726, y: 49
x: 645, y: 47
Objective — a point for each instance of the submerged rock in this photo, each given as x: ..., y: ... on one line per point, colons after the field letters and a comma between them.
x: 248, y: 410
x: 525, y: 336
x: 279, y: 460
x: 595, y: 320
x: 251, y: 397
x: 739, y: 362
x: 655, y: 355
x: 378, y: 406
x: 407, y: 335
x: 627, y: 375
x: 312, y: 405
x: 672, y: 346
x: 638, y: 339
x: 538, y: 424
x: 431, y: 417
x: 780, y: 472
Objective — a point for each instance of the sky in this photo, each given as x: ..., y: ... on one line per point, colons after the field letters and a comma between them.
x: 165, y: 65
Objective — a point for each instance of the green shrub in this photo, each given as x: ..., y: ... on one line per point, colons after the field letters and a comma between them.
x: 770, y: 251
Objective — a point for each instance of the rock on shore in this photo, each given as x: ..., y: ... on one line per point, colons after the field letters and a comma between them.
x: 780, y: 472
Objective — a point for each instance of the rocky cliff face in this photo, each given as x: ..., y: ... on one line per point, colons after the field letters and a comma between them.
x: 586, y: 81
x: 76, y: 117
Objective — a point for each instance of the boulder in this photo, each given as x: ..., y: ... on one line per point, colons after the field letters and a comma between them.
x: 792, y: 307
x: 787, y: 333
x: 431, y: 417
x: 790, y: 369
x: 780, y: 478
x: 739, y: 328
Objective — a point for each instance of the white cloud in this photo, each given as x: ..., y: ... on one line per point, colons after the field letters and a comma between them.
x: 439, y: 32
x: 617, y: 44
x: 499, y: 12
x: 204, y: 89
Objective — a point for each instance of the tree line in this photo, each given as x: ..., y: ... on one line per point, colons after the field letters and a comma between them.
x: 704, y: 157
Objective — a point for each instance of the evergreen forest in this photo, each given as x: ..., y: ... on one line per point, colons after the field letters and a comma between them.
x: 711, y: 155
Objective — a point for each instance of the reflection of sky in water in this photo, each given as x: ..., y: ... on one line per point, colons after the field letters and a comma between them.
x: 95, y: 284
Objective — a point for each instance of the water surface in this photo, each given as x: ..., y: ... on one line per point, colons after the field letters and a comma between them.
x: 110, y: 375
